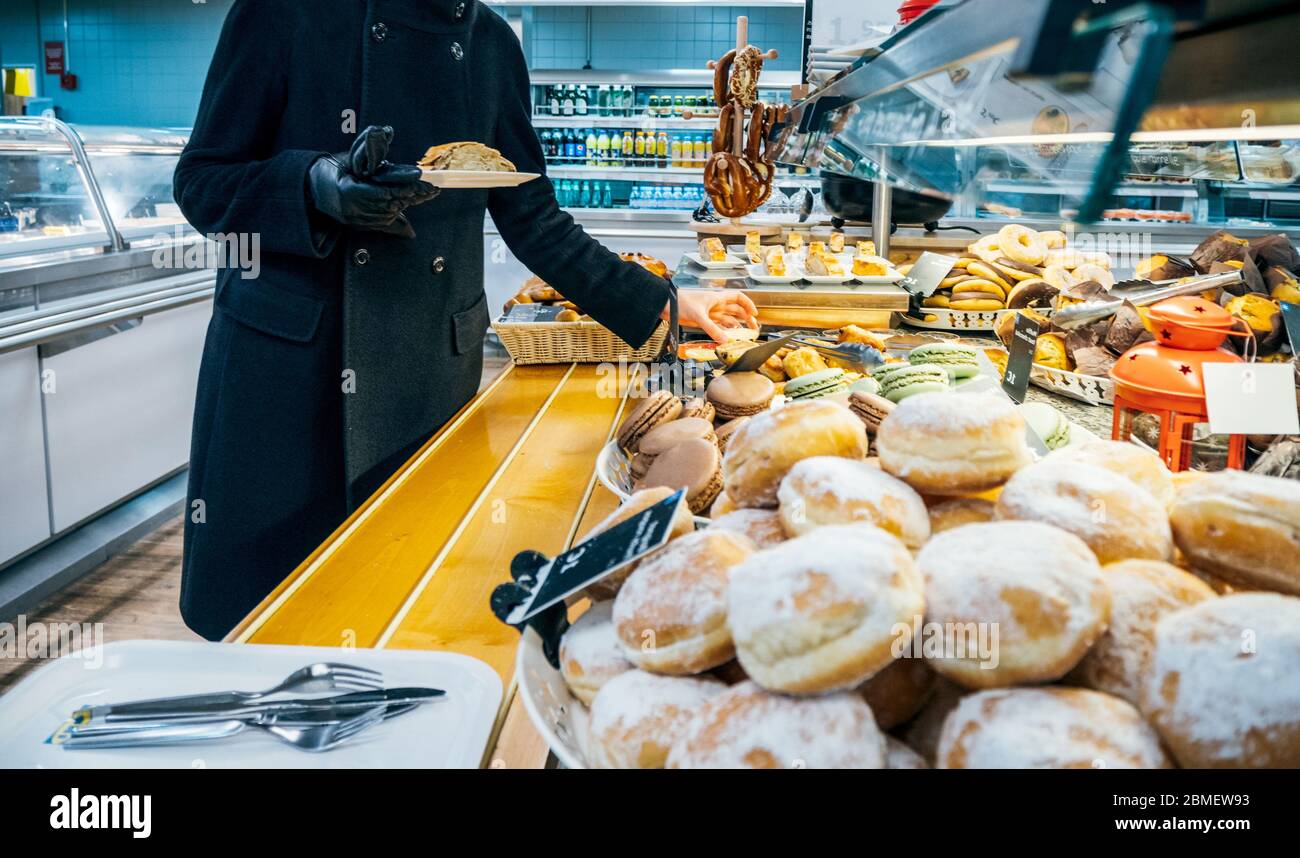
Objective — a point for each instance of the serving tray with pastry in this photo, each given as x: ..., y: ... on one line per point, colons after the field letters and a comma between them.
x: 467, y: 164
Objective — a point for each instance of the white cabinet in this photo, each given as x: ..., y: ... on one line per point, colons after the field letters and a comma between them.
x: 119, y: 415
x: 24, y: 507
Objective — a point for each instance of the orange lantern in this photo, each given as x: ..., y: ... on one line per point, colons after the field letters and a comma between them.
x: 1164, y: 377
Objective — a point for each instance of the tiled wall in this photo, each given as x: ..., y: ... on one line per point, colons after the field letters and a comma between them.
x: 640, y: 38
x: 143, y: 62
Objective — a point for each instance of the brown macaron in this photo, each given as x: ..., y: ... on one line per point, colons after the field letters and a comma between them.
x: 694, y: 465
x: 638, y: 466
x: 741, y: 394
x: 870, y: 409
x: 698, y: 406
x: 664, y: 437
x: 727, y: 430
x: 652, y: 410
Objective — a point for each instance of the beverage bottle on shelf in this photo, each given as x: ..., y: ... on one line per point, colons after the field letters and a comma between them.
x: 629, y: 149
x: 553, y: 101
x: 661, y: 150
x: 592, y: 151
x: 606, y: 196
x: 616, y: 149
x: 678, y: 106
x: 580, y: 101
x: 566, y: 101
x: 675, y: 160
x: 545, y: 138
x: 579, y: 147
x: 652, y: 105
x: 602, y: 149
x: 584, y: 195
x: 626, y: 101
x: 570, y: 148
x: 638, y: 149
x: 701, y: 150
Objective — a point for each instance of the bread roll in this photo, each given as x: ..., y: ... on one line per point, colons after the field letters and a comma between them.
x: 746, y: 727
x: 636, y: 717
x: 1048, y: 728
x: 953, y: 445
x: 1126, y: 459
x: 1223, y: 689
x: 590, y: 653
x: 1037, y: 588
x: 671, y: 613
x: 1141, y: 592
x: 819, y: 613
x: 762, y: 526
x: 1118, y: 519
x: 1244, y: 528
x: 765, y: 449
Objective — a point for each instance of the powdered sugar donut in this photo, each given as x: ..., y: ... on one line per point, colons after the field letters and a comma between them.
x: 900, y: 756
x: 1048, y: 728
x: 818, y: 613
x: 942, y: 444
x: 1036, y: 587
x: 1141, y: 592
x: 590, y: 653
x: 746, y: 727
x: 1223, y: 687
x: 1118, y: 519
x: 671, y: 614
x: 636, y: 717
x: 762, y: 526
x: 638, y: 502
x: 830, y: 490
x: 959, y: 511
x: 1126, y: 459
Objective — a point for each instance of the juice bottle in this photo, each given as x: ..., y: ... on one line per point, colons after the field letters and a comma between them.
x: 661, y: 150
x: 639, y: 149
x: 629, y: 146
x: 602, y: 149
x: 592, y: 143
x: 701, y: 151
x: 616, y: 149
x: 676, y: 158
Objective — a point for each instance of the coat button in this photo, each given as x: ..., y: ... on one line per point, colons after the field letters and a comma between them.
x: 361, y: 257
x: 379, y: 32
x: 457, y: 52
x: 438, y: 265
x: 460, y: 11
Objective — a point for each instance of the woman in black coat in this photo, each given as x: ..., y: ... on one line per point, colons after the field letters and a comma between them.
x: 362, y: 333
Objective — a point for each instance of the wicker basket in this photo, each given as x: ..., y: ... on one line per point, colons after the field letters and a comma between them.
x: 573, y: 342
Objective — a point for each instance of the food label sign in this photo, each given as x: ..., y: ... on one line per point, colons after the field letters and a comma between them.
x: 54, y: 58
x: 1020, y: 359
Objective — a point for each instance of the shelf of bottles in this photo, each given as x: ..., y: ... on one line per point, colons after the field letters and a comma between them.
x: 626, y: 145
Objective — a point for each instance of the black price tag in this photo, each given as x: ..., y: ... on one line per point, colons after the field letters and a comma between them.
x: 534, y: 313
x: 1020, y: 359
x: 599, y: 556
x: 1291, y: 315
x: 929, y: 270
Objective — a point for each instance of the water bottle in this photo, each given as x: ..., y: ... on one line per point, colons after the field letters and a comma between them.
x: 606, y: 197
x: 584, y: 195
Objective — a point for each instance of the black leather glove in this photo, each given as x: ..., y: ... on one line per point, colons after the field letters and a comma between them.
x: 360, y: 188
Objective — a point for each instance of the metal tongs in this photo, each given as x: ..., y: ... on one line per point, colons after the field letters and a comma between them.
x: 1139, y: 293
x: 860, y: 357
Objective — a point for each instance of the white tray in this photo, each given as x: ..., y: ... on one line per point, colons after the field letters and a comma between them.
x: 559, y: 717
x: 1092, y: 389
x: 475, y: 178
x: 732, y: 261
x: 957, y: 320
x: 452, y: 732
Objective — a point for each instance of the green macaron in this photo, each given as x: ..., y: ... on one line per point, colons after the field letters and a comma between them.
x: 865, y: 385
x: 1048, y: 423
x: 907, y: 381
x: 959, y: 361
x: 823, y: 382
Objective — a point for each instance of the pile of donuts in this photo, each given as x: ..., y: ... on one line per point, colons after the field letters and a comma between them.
x: 1018, y: 268
x: 738, y: 174
x: 950, y: 603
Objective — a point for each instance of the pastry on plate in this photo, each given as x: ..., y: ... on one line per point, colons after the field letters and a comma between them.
x: 712, y: 250
x: 466, y: 155
x: 774, y: 262
x: 870, y: 266
x: 821, y: 265
x: 753, y: 246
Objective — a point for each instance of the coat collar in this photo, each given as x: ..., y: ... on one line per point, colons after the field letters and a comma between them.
x: 437, y: 16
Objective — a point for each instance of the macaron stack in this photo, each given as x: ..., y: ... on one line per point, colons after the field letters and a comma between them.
x: 814, y: 385
x: 1047, y: 423
x: 961, y: 362
x: 899, y: 381
x: 654, y: 409
x: 695, y: 465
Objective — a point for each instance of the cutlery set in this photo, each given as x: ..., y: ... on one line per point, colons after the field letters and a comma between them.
x: 316, y: 723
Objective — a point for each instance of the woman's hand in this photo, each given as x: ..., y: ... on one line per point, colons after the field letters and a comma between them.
x: 713, y: 311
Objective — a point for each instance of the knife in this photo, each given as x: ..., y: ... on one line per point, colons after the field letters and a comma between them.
x: 219, y: 710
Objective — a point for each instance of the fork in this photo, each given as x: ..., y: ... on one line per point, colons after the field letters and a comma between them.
x: 322, y: 676
x: 322, y: 737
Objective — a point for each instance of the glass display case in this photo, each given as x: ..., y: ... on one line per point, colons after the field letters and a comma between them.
x: 1135, y: 115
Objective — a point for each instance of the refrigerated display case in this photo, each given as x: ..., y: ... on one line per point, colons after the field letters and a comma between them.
x: 100, y: 332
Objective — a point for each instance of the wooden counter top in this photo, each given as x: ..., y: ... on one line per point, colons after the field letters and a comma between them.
x: 414, y: 567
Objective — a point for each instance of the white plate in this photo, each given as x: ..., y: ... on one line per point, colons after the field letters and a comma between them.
x: 475, y: 178
x: 559, y: 717
x: 452, y: 732
x: 756, y: 274
x: 957, y: 320
x: 825, y: 280
x: 732, y: 261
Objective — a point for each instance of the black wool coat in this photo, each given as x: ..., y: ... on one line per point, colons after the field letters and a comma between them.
x: 324, y: 373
